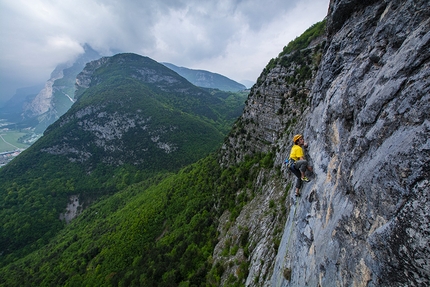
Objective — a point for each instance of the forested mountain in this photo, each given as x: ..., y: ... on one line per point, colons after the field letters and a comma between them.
x: 133, y: 119
x: 356, y: 85
x: 206, y: 79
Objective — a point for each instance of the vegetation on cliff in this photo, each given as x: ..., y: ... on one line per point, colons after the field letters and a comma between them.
x: 297, y: 52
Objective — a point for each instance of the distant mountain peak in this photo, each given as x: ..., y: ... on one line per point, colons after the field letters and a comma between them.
x: 206, y: 79
x: 56, y: 97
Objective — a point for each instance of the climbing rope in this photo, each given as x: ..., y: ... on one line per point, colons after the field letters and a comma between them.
x: 289, y: 238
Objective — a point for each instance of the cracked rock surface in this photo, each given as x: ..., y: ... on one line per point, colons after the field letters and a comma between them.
x: 368, y: 130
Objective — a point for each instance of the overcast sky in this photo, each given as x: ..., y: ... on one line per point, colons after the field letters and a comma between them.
x: 235, y: 38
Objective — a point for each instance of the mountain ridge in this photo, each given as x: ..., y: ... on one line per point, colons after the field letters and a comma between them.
x: 58, y: 93
x: 134, y: 119
x: 206, y: 79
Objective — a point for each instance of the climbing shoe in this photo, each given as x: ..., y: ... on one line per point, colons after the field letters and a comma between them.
x: 305, y: 179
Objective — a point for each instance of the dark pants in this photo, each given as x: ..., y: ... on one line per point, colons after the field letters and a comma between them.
x: 298, y: 167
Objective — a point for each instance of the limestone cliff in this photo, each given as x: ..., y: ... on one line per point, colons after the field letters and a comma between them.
x: 364, y: 218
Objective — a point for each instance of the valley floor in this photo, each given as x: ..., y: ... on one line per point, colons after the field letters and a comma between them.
x: 6, y: 157
x: 9, y: 145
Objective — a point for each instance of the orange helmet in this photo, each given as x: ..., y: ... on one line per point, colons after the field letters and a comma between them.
x: 297, y: 137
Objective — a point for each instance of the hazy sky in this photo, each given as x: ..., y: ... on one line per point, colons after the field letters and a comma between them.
x: 235, y: 38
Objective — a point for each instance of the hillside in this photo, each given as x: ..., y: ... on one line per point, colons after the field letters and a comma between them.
x: 133, y: 119
x: 357, y: 86
x: 143, y: 236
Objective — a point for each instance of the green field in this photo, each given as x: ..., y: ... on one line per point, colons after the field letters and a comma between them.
x: 9, y: 140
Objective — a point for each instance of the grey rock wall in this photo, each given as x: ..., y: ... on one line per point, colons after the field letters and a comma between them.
x: 270, y: 118
x: 364, y: 219
x: 272, y: 115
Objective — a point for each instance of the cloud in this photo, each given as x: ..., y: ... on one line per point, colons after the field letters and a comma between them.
x: 235, y: 38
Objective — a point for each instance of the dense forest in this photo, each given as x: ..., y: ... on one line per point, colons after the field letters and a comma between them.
x: 158, y: 232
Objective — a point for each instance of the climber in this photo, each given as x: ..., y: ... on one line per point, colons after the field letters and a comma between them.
x: 300, y: 164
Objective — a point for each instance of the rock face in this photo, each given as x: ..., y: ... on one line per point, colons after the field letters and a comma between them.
x: 272, y: 114
x: 364, y: 218
x: 43, y: 101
